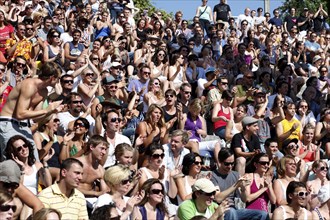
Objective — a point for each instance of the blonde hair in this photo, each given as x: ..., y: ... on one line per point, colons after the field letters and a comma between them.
x: 151, y: 108
x: 196, y: 105
x: 281, y: 170
x: 115, y: 174
x: 121, y: 149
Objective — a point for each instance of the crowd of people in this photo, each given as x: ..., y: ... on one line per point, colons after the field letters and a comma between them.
x: 108, y: 111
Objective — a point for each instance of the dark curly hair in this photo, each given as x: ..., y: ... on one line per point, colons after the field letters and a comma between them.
x: 188, y: 160
x: 10, y: 149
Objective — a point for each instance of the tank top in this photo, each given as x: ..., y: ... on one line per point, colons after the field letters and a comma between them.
x: 191, y: 126
x: 159, y: 214
x: 187, y: 188
x: 168, y: 117
x: 76, y: 51
x: 221, y: 123
x: 284, y: 213
x: 259, y: 203
x: 31, y: 181
x: 54, y: 161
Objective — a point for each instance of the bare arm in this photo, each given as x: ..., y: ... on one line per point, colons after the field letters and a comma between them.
x: 28, y: 198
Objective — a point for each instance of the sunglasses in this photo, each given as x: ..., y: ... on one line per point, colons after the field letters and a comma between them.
x: 324, y: 168
x: 157, y: 191
x: 227, y: 164
x: 250, y: 77
x: 186, y: 92
x: 124, y: 182
x: 116, y: 67
x: 169, y: 96
x: 10, y: 185
x: 77, y: 102
x: 137, y: 100
x: 56, y: 120
x: 29, y: 29
x: 208, y: 194
x: 161, y: 55
x: 224, y: 83
x: 113, y: 120
x: 3, y: 70
x: 79, y: 125
x: 292, y: 146
x: 55, y: 36
x: 146, y: 72
x: 198, y: 163
x: 96, y: 58
x: 156, y: 84
x: 5, y: 208
x: 20, y: 148
x: 263, y: 163
x: 89, y: 74
x: 157, y: 156
x: 301, y: 194
x: 68, y: 81
x: 20, y: 64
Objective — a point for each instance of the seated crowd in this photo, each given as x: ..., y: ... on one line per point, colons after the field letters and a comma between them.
x: 112, y: 112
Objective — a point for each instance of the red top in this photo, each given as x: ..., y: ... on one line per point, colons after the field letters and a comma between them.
x: 221, y: 123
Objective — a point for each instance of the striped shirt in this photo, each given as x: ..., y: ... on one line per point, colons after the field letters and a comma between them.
x: 71, y: 208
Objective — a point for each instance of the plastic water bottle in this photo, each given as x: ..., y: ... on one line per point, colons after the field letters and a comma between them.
x: 207, y: 160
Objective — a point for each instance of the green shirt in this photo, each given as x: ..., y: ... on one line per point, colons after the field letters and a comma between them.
x: 188, y: 210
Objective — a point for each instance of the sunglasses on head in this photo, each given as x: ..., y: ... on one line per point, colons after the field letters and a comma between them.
x: 124, y: 182
x: 263, y: 163
x: 10, y: 185
x: 5, y: 208
x: 156, y: 191
x: 79, y: 124
x: 301, y: 194
x: 113, y: 120
x: 20, y: 148
x: 208, y: 194
x: 227, y: 164
x: 156, y: 156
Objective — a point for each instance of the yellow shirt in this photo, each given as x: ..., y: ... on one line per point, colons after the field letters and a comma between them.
x: 71, y: 208
x: 287, y: 125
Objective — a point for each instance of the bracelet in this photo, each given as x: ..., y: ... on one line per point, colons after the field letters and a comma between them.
x: 46, y: 167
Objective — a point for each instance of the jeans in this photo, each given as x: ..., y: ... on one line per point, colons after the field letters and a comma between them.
x: 221, y: 132
x: 246, y: 214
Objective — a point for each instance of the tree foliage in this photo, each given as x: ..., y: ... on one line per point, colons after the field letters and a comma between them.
x: 146, y: 5
x: 299, y: 5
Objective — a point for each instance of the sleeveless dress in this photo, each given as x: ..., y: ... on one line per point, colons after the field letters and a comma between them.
x: 54, y: 161
x: 260, y: 203
x: 159, y: 214
x: 31, y: 181
x: 191, y: 126
x: 285, y: 217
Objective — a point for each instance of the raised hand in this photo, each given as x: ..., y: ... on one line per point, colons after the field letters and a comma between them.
x: 51, y: 152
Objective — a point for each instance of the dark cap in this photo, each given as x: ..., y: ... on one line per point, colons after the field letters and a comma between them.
x: 289, y: 141
x: 209, y: 70
x: 109, y: 79
x: 112, y: 102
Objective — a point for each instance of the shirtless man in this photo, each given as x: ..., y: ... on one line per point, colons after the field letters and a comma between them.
x: 92, y: 184
x: 26, y: 102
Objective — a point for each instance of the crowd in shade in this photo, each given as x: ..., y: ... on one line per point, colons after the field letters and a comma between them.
x: 109, y: 111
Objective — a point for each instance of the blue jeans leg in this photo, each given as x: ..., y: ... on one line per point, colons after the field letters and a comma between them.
x: 231, y: 214
x: 250, y: 214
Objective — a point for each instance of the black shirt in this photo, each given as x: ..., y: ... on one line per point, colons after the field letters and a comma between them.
x: 239, y: 141
x: 222, y: 11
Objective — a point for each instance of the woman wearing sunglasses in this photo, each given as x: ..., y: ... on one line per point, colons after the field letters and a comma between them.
x: 21, y: 151
x: 192, y: 167
x: 152, y: 205
x: 7, y: 206
x: 155, y: 155
x: 260, y: 190
x: 118, y: 178
x: 320, y: 169
x: 297, y: 197
x: 46, y: 140
x: 90, y: 85
x: 74, y: 141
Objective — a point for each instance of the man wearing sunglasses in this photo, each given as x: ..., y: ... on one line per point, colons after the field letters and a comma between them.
x: 202, y: 202
x: 97, y: 147
x: 10, y: 176
x: 230, y: 184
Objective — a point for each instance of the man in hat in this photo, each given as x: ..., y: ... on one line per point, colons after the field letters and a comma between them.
x: 246, y: 143
x: 10, y: 176
x: 75, y: 110
x: 202, y: 204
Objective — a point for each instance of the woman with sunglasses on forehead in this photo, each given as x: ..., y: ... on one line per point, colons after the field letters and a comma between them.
x: 155, y: 94
x: 90, y: 85
x: 192, y: 165
x: 21, y: 151
x: 297, y: 196
x: 118, y: 178
x: 260, y: 190
x: 73, y: 144
x: 47, y: 141
x: 153, y: 204
x: 7, y: 206
x: 320, y: 169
